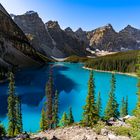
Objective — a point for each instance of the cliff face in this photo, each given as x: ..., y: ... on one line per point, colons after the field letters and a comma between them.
x: 15, y: 50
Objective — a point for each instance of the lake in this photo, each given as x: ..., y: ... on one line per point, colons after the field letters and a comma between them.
x: 71, y: 82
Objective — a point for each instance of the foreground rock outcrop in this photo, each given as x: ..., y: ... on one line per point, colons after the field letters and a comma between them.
x: 78, y: 133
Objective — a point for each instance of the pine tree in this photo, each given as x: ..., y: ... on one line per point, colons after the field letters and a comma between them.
x: 43, y: 121
x: 50, y: 95
x: 55, y: 110
x: 70, y: 118
x: 126, y: 106
x: 90, y: 115
x: 99, y: 105
x: 137, y: 109
x: 112, y: 105
x: 11, y: 106
x: 19, y: 125
x: 64, y: 120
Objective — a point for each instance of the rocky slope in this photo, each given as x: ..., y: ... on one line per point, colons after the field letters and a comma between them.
x: 15, y: 50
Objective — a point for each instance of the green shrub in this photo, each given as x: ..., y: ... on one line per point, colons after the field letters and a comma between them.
x: 135, y: 128
x: 99, y: 126
x: 121, y: 130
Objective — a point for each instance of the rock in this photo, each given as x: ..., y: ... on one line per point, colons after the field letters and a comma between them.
x: 23, y: 136
x: 104, y: 132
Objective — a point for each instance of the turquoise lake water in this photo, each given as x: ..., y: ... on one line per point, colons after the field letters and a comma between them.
x: 71, y: 82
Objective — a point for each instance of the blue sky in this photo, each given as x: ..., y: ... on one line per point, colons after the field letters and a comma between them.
x: 88, y: 14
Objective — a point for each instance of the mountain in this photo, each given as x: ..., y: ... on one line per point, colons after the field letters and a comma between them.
x: 64, y: 41
x: 34, y: 28
x: 131, y: 32
x: 15, y: 50
x: 82, y: 35
x: 49, y: 38
x: 103, y: 38
x: 106, y: 38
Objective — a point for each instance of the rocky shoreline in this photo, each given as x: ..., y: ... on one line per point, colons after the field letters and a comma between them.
x: 128, y: 74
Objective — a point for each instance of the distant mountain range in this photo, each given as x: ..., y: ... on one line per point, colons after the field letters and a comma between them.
x: 53, y: 41
x: 25, y: 40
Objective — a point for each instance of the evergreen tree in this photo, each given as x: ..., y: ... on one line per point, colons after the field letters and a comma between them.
x: 90, y: 115
x: 19, y: 125
x: 64, y: 120
x: 2, y: 131
x: 112, y: 105
x: 70, y: 118
x: 99, y: 105
x: 50, y: 95
x: 124, y: 107
x: 55, y: 110
x: 137, y: 109
x: 11, y: 106
x: 43, y: 121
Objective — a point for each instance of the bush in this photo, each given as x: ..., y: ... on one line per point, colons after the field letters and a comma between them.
x: 121, y: 130
x: 99, y: 126
x: 2, y: 130
x: 135, y: 128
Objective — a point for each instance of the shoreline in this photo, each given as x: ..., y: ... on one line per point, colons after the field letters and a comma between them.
x: 128, y: 74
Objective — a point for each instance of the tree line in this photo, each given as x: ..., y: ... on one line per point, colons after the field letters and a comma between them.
x: 120, y: 62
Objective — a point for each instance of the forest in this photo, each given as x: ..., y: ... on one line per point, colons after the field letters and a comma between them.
x: 120, y: 62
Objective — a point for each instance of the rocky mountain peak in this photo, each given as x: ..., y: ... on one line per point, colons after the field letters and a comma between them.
x: 130, y: 29
x: 79, y: 30
x: 68, y: 29
x: 131, y: 32
x: 34, y: 28
x: 105, y: 28
x: 53, y: 25
x: 70, y: 32
x: 30, y: 12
